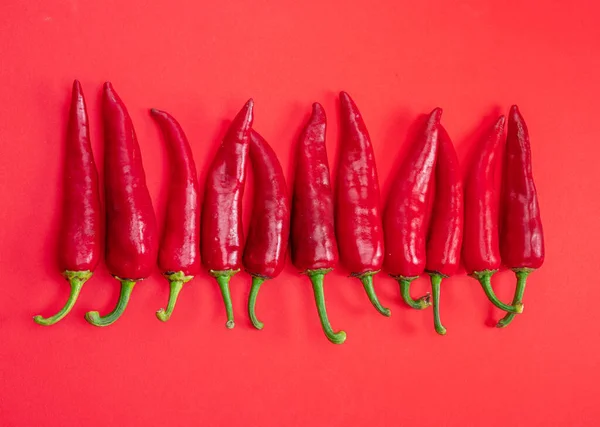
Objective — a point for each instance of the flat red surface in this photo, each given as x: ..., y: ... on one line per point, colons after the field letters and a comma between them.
x: 200, y: 61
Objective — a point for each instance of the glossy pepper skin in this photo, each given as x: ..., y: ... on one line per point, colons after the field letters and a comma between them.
x: 79, y: 243
x: 179, y: 252
x: 222, y: 236
x: 131, y: 231
x: 522, y: 236
x: 358, y: 223
x: 446, y: 228
x: 405, y: 219
x: 314, y: 248
x: 267, y: 241
x: 481, y: 246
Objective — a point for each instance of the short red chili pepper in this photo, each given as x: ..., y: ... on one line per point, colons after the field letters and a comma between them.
x: 266, y: 245
x: 179, y: 253
x: 314, y: 248
x: 131, y: 231
x: 405, y: 219
x: 446, y: 228
x: 221, y: 241
x: 358, y: 223
x: 522, y: 236
x: 481, y: 247
x: 79, y: 246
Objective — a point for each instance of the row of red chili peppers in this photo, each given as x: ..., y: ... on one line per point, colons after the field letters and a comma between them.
x: 420, y: 230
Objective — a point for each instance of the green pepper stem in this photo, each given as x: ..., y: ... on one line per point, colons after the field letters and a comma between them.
x: 76, y: 280
x: 256, y: 282
x: 521, y: 274
x: 176, y: 282
x: 316, y: 277
x: 223, y: 278
x: 367, y: 281
x: 418, y: 304
x: 436, y: 280
x: 94, y: 317
x: 484, y: 278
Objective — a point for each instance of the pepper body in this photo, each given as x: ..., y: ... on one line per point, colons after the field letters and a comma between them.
x: 179, y: 252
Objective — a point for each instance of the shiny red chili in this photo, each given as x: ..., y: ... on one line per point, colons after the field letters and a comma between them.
x: 267, y: 241
x: 481, y: 247
x: 405, y: 218
x: 522, y: 236
x: 314, y: 248
x: 131, y: 231
x: 358, y: 223
x: 79, y: 243
x: 446, y: 227
x: 221, y: 241
x: 179, y: 252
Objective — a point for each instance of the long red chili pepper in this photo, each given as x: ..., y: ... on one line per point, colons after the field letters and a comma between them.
x: 266, y: 245
x: 179, y: 253
x: 314, y: 248
x: 79, y: 246
x: 221, y: 241
x: 446, y: 228
x: 407, y: 211
x: 358, y: 223
x: 522, y: 237
x: 131, y: 232
x: 481, y: 247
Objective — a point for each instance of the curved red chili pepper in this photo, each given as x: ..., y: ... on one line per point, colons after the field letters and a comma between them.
x: 266, y: 245
x: 522, y: 236
x: 179, y: 253
x: 221, y: 241
x: 481, y: 247
x: 407, y: 211
x: 131, y: 231
x: 314, y: 249
x: 358, y: 224
x: 79, y: 245
x: 446, y: 228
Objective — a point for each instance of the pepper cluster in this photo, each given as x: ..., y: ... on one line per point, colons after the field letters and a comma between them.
x: 427, y: 220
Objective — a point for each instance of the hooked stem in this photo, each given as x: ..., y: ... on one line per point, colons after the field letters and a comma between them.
x: 367, y: 281
x: 76, y: 280
x: 521, y: 274
x: 419, y: 304
x: 94, y: 317
x: 436, y: 280
x: 484, y: 278
x: 316, y: 277
x: 256, y: 282
x: 176, y: 282
x: 223, y: 278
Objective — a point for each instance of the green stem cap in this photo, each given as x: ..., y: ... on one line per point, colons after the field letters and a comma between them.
x: 223, y: 278
x: 484, y: 278
x: 176, y: 282
x: 94, y: 317
x: 521, y: 274
x: 76, y: 280
x: 367, y: 281
x: 436, y: 280
x: 256, y: 282
x: 316, y: 277
x: 419, y: 304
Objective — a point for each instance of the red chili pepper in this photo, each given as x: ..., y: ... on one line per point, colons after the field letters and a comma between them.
x: 266, y: 245
x: 131, y: 233
x: 314, y: 249
x: 408, y: 208
x: 522, y: 237
x: 179, y: 253
x: 358, y: 218
x: 481, y: 248
x: 79, y: 246
x: 222, y: 234
x: 446, y: 228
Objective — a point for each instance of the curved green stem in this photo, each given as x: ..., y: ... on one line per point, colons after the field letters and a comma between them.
x: 436, y: 280
x: 256, y: 282
x: 223, y: 278
x: 484, y: 278
x: 418, y: 304
x: 94, y: 317
x: 521, y: 274
x: 76, y: 280
x: 176, y: 282
x: 367, y: 281
x: 316, y: 277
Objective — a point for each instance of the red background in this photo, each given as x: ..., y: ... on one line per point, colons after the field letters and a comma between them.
x: 201, y: 60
